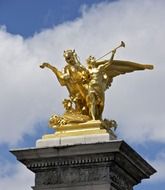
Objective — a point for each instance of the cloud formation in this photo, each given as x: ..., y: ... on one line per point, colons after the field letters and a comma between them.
x: 158, y: 163
x: 136, y: 101
x: 20, y: 179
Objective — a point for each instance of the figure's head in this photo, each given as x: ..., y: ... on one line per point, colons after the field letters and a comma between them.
x: 91, y: 61
x: 69, y: 56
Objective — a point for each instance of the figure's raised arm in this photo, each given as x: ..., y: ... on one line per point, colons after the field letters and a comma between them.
x: 105, y: 64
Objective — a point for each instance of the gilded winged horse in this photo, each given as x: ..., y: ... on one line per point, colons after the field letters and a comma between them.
x: 87, y: 85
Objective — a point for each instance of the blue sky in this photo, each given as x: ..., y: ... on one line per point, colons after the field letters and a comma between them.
x: 28, y: 17
x: 32, y: 32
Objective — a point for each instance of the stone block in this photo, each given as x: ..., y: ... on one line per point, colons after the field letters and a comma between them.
x: 73, y: 140
x: 110, y: 165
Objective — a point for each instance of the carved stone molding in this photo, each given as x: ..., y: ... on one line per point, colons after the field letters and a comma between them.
x: 70, y: 161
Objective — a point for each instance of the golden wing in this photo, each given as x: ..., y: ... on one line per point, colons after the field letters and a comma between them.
x: 118, y: 67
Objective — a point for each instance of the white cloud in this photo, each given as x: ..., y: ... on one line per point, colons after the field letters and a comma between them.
x: 20, y: 179
x: 29, y: 94
x: 158, y: 163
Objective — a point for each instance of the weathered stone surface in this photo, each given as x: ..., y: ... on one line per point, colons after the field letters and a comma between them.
x: 101, y: 166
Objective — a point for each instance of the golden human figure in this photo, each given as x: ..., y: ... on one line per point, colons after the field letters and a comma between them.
x: 101, y: 76
x: 96, y: 87
x: 87, y: 85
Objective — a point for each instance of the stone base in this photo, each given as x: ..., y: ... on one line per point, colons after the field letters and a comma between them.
x: 83, y: 139
x: 88, y: 186
x: 99, y: 166
x: 93, y: 131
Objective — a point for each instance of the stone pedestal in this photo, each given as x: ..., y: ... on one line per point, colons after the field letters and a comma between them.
x: 110, y: 165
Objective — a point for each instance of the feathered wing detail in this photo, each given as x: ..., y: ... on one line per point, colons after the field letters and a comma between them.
x: 118, y: 67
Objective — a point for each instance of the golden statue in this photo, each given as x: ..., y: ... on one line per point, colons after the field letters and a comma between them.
x: 86, y: 87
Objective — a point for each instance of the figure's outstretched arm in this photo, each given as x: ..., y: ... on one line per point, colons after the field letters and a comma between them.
x: 106, y: 64
x: 59, y: 74
x: 112, y: 56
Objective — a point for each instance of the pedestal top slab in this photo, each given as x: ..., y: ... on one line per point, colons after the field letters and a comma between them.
x: 117, y: 150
